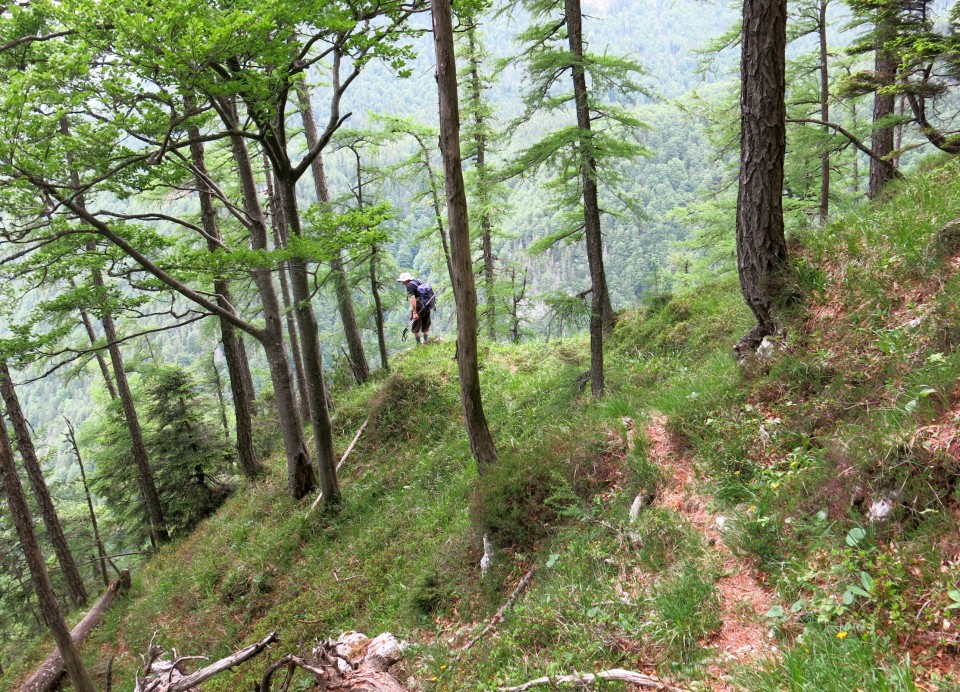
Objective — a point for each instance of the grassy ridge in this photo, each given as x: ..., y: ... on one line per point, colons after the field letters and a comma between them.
x: 859, y: 404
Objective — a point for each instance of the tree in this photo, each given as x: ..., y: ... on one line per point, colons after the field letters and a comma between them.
x: 461, y: 255
x: 17, y: 502
x: 31, y: 463
x: 482, y: 182
x: 761, y: 244
x: 581, y: 153
x: 358, y: 359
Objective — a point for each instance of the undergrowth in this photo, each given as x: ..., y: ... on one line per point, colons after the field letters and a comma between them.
x: 857, y: 409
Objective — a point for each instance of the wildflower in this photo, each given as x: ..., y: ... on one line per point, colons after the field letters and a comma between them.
x: 443, y: 667
x: 433, y: 679
x: 753, y: 508
x: 793, y: 464
x: 774, y: 485
x: 736, y: 473
x: 842, y: 635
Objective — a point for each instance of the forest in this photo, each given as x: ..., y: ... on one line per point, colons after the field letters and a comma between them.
x: 463, y: 345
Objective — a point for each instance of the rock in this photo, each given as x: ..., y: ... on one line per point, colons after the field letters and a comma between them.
x: 486, y: 562
x: 721, y: 522
x: 880, y: 509
x: 768, y: 348
x: 638, y: 502
x: 351, y: 646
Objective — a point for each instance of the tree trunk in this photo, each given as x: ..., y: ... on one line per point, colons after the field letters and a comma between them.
x: 232, y: 353
x: 358, y: 358
x: 378, y: 309
x: 761, y: 246
x: 301, y: 478
x: 21, y: 429
x: 45, y: 678
x: 101, y: 361
x: 480, y: 143
x: 884, y: 104
x: 23, y: 522
x: 824, y: 112
x: 279, y: 228
x: 101, y: 551
x: 601, y: 312
x: 138, y: 448
x: 221, y: 403
x: 481, y: 441
x: 312, y: 358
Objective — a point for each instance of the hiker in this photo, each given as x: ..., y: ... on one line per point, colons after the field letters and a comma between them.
x: 422, y: 301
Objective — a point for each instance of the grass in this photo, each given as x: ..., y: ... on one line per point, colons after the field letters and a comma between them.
x: 793, y: 452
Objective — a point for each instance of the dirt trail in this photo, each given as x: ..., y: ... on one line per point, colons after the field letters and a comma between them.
x: 744, y: 600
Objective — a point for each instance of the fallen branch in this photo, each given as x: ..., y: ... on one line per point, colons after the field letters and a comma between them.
x: 524, y: 583
x: 167, y: 676
x: 343, y: 459
x: 615, y: 675
x: 49, y: 673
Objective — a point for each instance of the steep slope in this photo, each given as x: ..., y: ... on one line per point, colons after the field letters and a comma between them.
x: 797, y: 521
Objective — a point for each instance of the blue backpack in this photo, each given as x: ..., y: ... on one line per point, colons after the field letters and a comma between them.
x: 425, y: 295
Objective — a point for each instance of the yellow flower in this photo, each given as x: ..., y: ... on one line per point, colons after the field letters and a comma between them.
x: 842, y: 635
x: 753, y: 508
x: 736, y: 473
x: 433, y: 679
x: 443, y: 667
x: 774, y: 485
x: 793, y: 463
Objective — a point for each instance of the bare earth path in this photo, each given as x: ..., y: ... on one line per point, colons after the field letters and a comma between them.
x: 744, y: 600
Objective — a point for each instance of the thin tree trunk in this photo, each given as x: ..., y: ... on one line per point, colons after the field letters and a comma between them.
x: 158, y: 529
x: 82, y: 682
x: 301, y: 479
x: 221, y: 404
x: 378, y: 309
x: 148, y: 489
x: 437, y: 211
x: 31, y: 463
x: 361, y: 370
x: 481, y: 441
x: 761, y: 246
x: 279, y: 228
x: 884, y: 104
x: 480, y: 143
x: 312, y: 358
x: 601, y: 313
x: 101, y: 551
x: 824, y: 112
x: 101, y: 361
x: 232, y: 353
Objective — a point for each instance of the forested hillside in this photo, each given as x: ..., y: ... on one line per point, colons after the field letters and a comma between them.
x: 686, y: 414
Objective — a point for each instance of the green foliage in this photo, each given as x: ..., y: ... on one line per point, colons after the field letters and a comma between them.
x: 687, y: 609
x: 188, y: 457
x: 520, y: 500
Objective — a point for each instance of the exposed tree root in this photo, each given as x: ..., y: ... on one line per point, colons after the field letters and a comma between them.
x: 613, y: 675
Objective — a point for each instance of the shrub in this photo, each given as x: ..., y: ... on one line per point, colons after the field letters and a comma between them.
x: 520, y: 499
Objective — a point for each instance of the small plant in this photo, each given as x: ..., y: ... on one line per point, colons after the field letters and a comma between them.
x: 687, y: 609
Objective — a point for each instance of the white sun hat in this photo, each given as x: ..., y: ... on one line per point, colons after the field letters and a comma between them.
x: 406, y: 276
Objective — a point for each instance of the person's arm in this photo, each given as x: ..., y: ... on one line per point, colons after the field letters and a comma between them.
x: 413, y: 307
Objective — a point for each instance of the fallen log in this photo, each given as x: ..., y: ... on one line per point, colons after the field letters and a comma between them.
x: 49, y: 673
x: 169, y: 676
x: 615, y: 675
x: 524, y: 583
x: 353, y: 444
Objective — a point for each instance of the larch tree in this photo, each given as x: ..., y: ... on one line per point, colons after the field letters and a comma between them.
x: 581, y: 154
x: 461, y: 254
x: 761, y: 243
